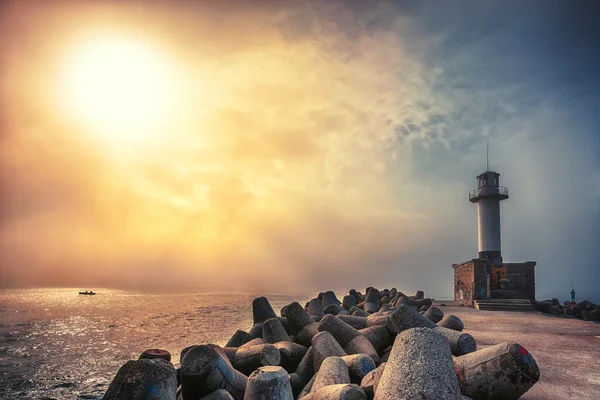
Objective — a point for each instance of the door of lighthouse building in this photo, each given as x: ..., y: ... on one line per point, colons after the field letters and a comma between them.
x: 497, y: 272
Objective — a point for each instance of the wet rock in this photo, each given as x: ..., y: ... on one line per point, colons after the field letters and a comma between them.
x: 156, y: 353
x: 419, y: 295
x: 205, y: 369
x: 419, y: 367
x: 239, y: 338
x: 274, y: 332
x: 144, y: 379
x: 504, y: 371
x: 333, y: 371
x: 452, y: 322
x: 385, y: 299
x: 433, y: 314
x: 269, y: 383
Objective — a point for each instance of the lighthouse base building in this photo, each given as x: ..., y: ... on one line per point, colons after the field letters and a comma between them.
x: 487, y: 282
x: 482, y: 279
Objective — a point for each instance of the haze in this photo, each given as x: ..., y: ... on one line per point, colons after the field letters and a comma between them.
x: 296, y: 144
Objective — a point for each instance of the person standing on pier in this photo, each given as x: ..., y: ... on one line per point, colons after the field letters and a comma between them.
x: 573, y: 295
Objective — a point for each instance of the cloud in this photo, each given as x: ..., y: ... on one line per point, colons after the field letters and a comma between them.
x: 318, y: 144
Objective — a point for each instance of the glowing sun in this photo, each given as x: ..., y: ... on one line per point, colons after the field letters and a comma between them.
x: 124, y: 89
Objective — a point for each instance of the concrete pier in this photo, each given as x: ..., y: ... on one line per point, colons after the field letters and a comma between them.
x: 566, y: 349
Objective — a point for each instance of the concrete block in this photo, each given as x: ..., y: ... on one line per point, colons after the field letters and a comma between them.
x: 333, y: 371
x: 461, y: 343
x: 419, y: 367
x: 404, y: 318
x: 371, y: 380
x: 348, y: 302
x: 372, y: 303
x: 239, y: 338
x: 433, y: 314
x: 304, y: 372
x: 269, y: 383
x: 303, y: 323
x: 205, y: 369
x: 338, y: 392
x: 247, y: 359
x: 144, y: 379
x: 156, y: 353
x: 253, y: 342
x: 291, y: 354
x: 273, y: 332
x: 354, y: 321
x: 220, y: 394
x: 452, y: 322
x: 379, y: 337
x: 315, y: 308
x: 330, y: 298
x: 358, y: 366
x: 262, y: 310
x: 504, y: 371
x: 324, y: 345
x: 349, y: 338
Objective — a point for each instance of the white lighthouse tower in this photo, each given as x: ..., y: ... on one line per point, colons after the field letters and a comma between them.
x: 488, y: 195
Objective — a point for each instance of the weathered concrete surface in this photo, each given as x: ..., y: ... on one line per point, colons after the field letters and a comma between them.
x: 567, y: 350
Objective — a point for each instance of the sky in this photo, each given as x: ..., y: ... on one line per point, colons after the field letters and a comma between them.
x: 295, y: 145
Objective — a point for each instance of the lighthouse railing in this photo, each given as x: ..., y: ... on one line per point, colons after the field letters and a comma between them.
x: 488, y: 191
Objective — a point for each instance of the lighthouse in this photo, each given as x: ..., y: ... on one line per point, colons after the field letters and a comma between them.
x: 488, y: 195
x: 488, y: 282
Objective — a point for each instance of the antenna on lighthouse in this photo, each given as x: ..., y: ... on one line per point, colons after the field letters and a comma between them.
x: 487, y: 155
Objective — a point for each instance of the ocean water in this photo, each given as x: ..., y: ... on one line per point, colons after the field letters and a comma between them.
x: 57, y: 344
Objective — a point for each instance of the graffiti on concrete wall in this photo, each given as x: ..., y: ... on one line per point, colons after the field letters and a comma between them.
x: 481, y: 287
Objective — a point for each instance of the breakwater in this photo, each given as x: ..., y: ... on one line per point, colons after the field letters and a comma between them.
x: 381, y: 345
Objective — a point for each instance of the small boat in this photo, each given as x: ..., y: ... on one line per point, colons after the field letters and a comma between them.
x: 88, y: 293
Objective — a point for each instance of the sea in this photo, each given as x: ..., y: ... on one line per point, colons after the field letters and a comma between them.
x: 57, y: 344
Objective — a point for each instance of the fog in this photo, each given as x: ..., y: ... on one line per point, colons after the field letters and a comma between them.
x: 316, y: 145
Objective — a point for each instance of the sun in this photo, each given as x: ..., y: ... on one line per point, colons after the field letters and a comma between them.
x: 121, y: 88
